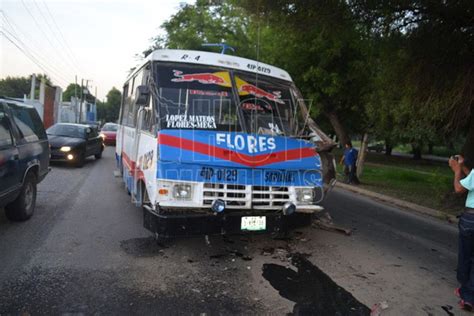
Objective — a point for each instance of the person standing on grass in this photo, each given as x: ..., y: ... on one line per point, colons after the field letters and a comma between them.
x: 349, y: 159
x: 464, y: 182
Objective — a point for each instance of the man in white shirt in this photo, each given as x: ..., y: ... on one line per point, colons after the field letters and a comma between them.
x: 464, y: 182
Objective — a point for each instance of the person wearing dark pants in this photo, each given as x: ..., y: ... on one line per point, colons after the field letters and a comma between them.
x: 464, y: 182
x: 350, y: 158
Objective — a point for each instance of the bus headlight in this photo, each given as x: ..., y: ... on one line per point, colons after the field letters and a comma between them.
x: 182, y: 191
x: 305, y: 195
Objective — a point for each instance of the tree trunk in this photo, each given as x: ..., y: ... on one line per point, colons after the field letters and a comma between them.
x: 362, y: 155
x: 450, y: 144
x: 338, y: 128
x: 416, y: 148
x: 468, y: 148
x: 388, y: 147
x: 430, y: 148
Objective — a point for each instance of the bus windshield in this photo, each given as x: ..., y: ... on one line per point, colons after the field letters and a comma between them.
x: 200, y: 97
x: 195, y: 98
x: 266, y: 104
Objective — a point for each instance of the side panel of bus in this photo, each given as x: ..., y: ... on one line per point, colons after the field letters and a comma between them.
x: 136, y: 144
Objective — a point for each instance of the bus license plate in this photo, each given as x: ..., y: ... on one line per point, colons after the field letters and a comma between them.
x: 253, y: 223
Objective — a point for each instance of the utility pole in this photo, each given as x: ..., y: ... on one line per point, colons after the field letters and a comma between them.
x: 83, y: 96
x: 33, y: 87
x: 95, y: 105
x: 75, y: 89
x: 82, y: 100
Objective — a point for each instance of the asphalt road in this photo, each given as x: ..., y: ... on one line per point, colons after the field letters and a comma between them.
x: 85, y: 252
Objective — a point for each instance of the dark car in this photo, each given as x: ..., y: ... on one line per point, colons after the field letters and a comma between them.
x: 74, y: 143
x: 109, y: 133
x: 377, y: 147
x: 24, y: 158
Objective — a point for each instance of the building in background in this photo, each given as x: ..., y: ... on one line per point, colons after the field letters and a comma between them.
x: 52, y: 109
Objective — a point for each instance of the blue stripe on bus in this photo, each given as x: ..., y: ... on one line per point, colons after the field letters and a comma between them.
x: 241, y: 176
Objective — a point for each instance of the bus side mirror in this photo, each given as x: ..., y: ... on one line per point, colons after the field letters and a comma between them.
x: 142, y: 95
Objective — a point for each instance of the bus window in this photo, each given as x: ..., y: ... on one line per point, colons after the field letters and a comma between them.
x: 125, y: 106
x: 132, y: 88
x: 138, y: 80
x: 195, y: 98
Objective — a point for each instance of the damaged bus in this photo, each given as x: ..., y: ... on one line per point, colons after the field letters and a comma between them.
x: 216, y: 144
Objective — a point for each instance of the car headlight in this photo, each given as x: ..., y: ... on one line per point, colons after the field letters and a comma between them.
x: 103, y: 136
x: 182, y: 191
x: 305, y: 195
x: 65, y: 149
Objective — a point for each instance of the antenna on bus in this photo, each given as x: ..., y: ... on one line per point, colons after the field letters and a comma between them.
x: 224, y: 46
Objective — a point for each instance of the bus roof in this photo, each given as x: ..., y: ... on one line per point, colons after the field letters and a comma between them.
x: 219, y: 60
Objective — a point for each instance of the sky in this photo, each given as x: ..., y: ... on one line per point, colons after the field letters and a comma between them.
x: 91, y: 39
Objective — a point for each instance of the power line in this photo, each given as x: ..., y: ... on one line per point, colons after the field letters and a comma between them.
x: 31, y: 57
x: 37, y: 56
x: 13, y: 32
x: 55, y: 36
x: 68, y: 48
x: 41, y: 30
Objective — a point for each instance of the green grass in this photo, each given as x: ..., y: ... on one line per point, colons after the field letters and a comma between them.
x: 421, y: 182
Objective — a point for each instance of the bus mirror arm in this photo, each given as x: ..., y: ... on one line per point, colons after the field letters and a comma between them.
x: 142, y: 95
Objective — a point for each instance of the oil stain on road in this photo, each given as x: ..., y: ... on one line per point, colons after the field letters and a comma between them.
x: 313, y: 291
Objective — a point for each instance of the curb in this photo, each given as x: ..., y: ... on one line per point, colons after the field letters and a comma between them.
x: 400, y: 203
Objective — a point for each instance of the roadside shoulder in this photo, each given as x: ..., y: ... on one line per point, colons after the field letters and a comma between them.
x: 399, y: 203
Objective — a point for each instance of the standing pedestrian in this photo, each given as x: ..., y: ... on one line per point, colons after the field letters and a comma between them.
x: 464, y: 182
x: 349, y: 159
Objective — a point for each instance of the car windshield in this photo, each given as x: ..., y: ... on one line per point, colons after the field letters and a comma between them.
x: 109, y: 128
x: 67, y: 130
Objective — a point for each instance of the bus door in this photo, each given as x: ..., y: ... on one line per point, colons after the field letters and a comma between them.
x: 136, y: 187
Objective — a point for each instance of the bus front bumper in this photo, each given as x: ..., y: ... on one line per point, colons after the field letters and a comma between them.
x: 187, y: 225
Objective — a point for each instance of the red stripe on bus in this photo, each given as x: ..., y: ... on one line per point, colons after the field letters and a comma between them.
x: 226, y: 154
x: 131, y: 166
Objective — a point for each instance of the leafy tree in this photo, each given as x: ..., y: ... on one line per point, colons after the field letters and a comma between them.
x: 109, y: 111
x: 206, y: 22
x: 71, y: 90
x: 17, y: 87
x: 436, y: 71
x: 320, y: 44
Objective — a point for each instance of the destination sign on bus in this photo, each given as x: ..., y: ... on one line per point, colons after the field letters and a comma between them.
x: 249, y: 143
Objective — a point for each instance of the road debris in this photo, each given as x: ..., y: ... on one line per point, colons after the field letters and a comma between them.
x: 378, y: 308
x: 448, y: 309
x: 325, y: 222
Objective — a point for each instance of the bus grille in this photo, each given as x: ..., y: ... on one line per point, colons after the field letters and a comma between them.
x: 246, y: 196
